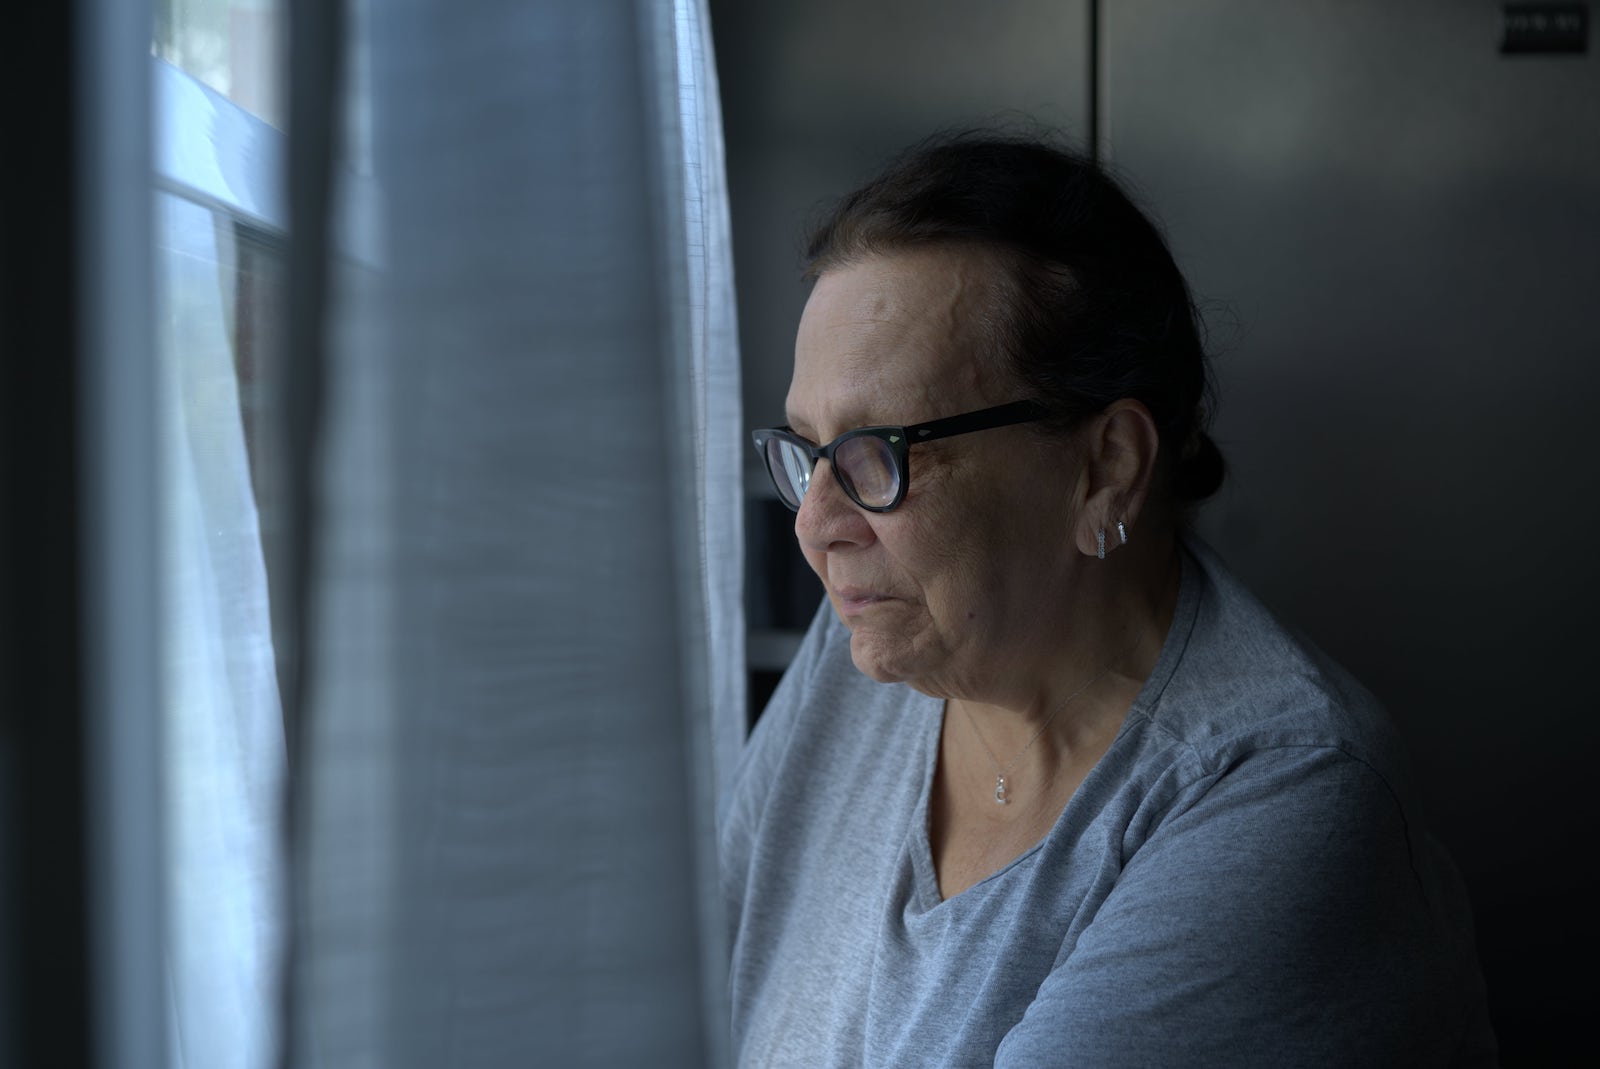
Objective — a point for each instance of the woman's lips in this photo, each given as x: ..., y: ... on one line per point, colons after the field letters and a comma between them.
x: 853, y: 600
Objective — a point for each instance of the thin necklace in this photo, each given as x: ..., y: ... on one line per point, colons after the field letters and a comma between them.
x: 1000, y: 776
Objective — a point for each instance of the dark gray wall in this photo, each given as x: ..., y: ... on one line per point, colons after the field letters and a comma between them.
x: 1393, y: 229
x: 1398, y: 228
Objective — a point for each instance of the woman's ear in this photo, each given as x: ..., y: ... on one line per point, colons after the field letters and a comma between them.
x: 1120, y: 446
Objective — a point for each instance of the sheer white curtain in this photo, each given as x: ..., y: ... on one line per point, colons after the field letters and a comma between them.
x: 222, y: 723
x: 527, y: 668
x: 714, y: 358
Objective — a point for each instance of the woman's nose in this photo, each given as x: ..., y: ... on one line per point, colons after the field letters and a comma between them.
x: 827, y: 517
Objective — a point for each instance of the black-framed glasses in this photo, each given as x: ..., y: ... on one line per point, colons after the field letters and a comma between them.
x: 873, y: 463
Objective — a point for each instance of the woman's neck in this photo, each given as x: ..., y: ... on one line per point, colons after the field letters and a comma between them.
x: 1118, y: 619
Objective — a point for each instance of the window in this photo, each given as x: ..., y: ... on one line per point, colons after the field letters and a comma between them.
x: 220, y: 289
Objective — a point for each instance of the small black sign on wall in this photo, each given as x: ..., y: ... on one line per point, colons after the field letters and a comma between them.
x: 1545, y: 28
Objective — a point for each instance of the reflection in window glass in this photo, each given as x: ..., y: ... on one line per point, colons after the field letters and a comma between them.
x: 219, y: 298
x: 230, y: 45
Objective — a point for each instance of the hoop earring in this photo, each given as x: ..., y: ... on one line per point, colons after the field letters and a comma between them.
x: 1122, y: 532
x: 1100, y: 543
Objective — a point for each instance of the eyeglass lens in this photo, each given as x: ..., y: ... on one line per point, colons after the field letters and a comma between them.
x: 867, y: 465
x: 864, y: 466
x: 791, y: 470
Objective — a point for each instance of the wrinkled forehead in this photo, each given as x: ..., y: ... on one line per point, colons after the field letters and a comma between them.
x: 899, y: 339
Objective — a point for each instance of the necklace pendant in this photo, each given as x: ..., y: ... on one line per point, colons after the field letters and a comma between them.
x: 1000, y: 790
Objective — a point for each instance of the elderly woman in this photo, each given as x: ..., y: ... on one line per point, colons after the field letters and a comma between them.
x: 1045, y: 785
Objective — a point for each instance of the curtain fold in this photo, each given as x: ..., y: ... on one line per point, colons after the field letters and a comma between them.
x: 706, y: 433
x: 528, y: 629
x: 222, y: 723
x: 719, y: 417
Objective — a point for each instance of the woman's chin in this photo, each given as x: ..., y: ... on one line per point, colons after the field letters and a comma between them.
x: 878, y: 657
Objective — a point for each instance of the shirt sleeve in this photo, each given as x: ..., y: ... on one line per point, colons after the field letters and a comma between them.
x: 1275, y: 918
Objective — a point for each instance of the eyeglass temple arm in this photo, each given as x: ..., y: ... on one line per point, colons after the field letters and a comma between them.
x: 982, y: 420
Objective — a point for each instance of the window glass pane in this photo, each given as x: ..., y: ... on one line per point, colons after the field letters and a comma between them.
x: 230, y: 45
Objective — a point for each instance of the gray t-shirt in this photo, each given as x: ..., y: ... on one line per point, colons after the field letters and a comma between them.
x: 1242, y: 879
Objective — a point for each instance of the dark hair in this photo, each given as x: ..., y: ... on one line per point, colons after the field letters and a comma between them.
x: 1095, y: 309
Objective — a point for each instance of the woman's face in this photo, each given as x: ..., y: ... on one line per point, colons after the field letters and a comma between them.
x: 966, y: 582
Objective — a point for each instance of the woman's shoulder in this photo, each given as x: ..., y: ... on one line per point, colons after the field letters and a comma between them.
x: 1237, y: 679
